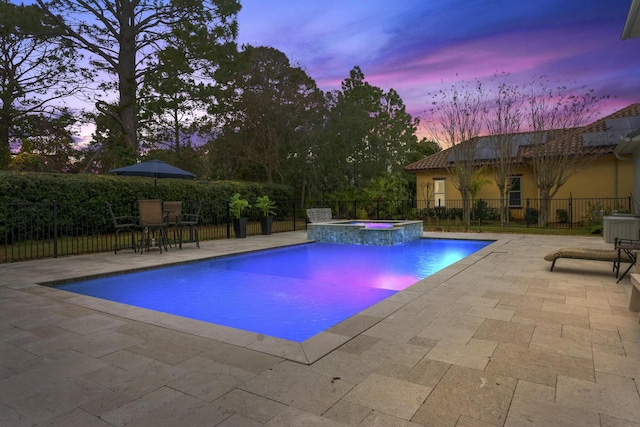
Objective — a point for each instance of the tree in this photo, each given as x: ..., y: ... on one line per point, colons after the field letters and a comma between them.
x: 50, y: 146
x: 271, y: 107
x: 422, y: 148
x: 456, y: 122
x: 107, y: 148
x: 414, y: 152
x: 368, y: 133
x: 503, y: 118
x: 553, y: 113
x: 175, y: 99
x: 172, y: 106
x: 123, y: 36
x: 36, y: 68
x: 391, y: 188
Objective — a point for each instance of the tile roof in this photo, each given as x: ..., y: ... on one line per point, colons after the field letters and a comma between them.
x: 572, y: 138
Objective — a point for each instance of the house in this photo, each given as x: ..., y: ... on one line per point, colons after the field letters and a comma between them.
x: 631, y: 28
x: 631, y: 144
x: 608, y: 174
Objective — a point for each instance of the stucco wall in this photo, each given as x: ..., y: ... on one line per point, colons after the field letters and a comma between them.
x: 604, y: 178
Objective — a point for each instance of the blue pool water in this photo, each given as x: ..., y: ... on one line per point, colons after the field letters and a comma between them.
x: 292, y: 293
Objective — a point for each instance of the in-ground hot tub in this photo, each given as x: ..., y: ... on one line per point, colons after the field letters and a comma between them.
x: 376, y: 233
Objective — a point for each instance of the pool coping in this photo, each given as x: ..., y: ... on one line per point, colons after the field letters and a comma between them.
x: 357, y: 233
x: 305, y: 352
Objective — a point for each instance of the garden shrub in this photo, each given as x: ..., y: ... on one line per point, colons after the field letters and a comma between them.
x: 562, y: 216
x: 27, y: 199
x: 531, y: 216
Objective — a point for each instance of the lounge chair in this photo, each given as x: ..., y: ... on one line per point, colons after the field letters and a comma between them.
x: 126, y: 224
x: 153, y: 224
x: 613, y: 256
x: 634, y: 302
x: 627, y: 248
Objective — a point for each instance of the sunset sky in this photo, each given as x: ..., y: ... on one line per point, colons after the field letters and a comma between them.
x: 415, y: 46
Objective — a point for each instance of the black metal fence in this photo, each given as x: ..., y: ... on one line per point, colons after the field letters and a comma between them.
x: 562, y: 213
x: 53, y: 229
x: 45, y: 230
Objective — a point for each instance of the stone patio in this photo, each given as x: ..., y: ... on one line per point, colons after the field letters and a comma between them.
x: 494, y: 340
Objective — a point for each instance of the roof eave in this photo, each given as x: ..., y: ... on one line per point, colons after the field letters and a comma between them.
x: 627, y: 145
x: 632, y: 25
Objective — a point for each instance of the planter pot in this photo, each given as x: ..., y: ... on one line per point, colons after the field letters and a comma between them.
x: 266, y: 222
x: 240, y: 227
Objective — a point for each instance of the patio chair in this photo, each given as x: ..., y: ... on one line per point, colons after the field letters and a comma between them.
x: 153, y: 224
x: 614, y: 256
x: 319, y: 215
x: 190, y: 221
x: 126, y: 224
x: 172, y: 212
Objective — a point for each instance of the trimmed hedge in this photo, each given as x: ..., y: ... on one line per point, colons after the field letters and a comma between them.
x: 83, y: 197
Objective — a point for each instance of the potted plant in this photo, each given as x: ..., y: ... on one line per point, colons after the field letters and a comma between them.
x: 268, y: 208
x: 236, y: 205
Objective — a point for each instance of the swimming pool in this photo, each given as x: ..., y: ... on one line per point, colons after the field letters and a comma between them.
x: 292, y: 293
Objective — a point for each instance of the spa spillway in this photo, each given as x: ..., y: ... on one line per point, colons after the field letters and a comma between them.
x: 376, y: 233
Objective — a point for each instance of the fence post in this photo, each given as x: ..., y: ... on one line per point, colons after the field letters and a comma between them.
x: 293, y: 206
x: 570, y: 211
x: 526, y: 213
x: 377, y: 209
x: 55, y: 229
x: 191, y: 212
x: 228, y: 222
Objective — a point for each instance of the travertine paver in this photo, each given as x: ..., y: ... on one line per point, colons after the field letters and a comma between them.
x: 526, y: 390
x: 560, y: 345
x: 427, y: 372
x: 504, y: 332
x: 538, y: 365
x: 592, y: 335
x: 251, y: 406
x: 609, y: 421
x: 496, y: 339
x: 104, y: 342
x: 452, y: 327
x: 346, y: 366
x: 208, y: 380
x: 295, y: 385
x: 389, y: 395
x: 90, y: 324
x: 474, y: 393
x: 435, y: 416
x: 548, y: 414
x: 474, y: 354
x: 348, y: 413
x: 295, y: 417
x: 609, y: 394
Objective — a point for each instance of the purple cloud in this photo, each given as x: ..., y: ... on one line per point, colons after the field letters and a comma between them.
x: 414, y: 47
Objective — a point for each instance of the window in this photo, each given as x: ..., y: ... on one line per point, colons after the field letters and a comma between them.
x: 438, y: 192
x: 515, y: 192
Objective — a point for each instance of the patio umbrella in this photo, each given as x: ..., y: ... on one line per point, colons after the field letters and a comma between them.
x: 153, y: 169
